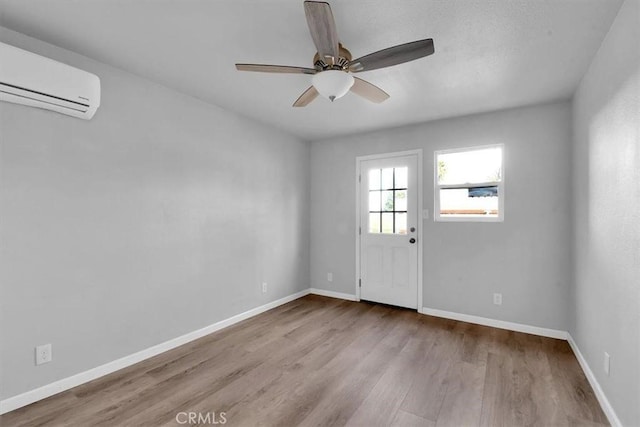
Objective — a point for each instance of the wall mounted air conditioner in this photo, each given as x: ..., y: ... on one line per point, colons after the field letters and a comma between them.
x: 30, y: 79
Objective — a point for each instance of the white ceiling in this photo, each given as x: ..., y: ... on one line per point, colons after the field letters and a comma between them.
x: 489, y: 54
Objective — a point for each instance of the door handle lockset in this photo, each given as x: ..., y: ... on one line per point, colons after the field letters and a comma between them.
x: 412, y: 240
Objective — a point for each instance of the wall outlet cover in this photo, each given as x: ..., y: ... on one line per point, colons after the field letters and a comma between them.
x: 43, y: 354
x: 497, y: 299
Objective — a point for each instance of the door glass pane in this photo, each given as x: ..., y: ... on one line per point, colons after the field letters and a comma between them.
x: 387, y: 201
x: 374, y: 223
x: 401, y: 223
x: 387, y: 179
x: 401, y: 200
x: 387, y: 222
x: 401, y: 177
x: 374, y: 179
x: 374, y: 201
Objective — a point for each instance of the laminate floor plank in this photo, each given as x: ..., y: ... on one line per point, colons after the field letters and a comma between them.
x: 430, y: 383
x: 477, y: 343
x: 320, y: 361
x: 407, y: 419
x: 383, y: 402
x: 462, y: 403
x: 521, y: 379
x: 546, y: 408
x: 574, y: 392
x: 335, y: 408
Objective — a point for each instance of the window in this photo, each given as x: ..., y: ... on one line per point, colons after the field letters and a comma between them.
x: 469, y: 184
x: 388, y: 201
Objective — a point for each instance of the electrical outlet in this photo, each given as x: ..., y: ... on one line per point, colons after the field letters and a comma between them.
x: 607, y: 360
x: 264, y: 287
x: 497, y: 299
x: 43, y: 354
x: 329, y: 277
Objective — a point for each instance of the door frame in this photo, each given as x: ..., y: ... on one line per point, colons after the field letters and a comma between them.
x: 420, y: 219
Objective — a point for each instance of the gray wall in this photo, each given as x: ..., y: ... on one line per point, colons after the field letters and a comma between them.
x: 526, y: 258
x: 606, y: 210
x: 160, y: 216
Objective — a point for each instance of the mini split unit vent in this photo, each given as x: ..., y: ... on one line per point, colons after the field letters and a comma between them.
x: 30, y: 79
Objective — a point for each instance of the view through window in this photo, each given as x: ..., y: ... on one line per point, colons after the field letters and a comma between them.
x: 469, y: 184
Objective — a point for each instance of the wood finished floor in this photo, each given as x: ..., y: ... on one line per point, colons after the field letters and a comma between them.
x: 320, y: 361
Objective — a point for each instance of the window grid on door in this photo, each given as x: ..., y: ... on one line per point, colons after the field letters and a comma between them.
x: 388, y: 201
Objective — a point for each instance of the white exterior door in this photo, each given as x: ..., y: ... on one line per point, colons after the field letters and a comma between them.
x: 388, y: 230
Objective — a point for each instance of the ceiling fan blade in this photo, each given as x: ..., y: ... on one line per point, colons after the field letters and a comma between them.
x: 263, y: 68
x: 306, y: 98
x: 393, y: 56
x: 368, y: 91
x: 323, y: 29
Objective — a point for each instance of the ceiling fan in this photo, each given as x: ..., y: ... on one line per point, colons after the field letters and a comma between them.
x: 333, y: 64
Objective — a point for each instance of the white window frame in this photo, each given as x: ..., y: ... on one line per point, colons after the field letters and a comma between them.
x: 437, y: 187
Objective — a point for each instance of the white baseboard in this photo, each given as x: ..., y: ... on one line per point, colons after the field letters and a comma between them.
x: 43, y: 392
x: 595, y: 385
x: 332, y: 294
x: 501, y: 324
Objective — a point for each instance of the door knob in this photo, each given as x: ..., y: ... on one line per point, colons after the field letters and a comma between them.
x: 412, y: 240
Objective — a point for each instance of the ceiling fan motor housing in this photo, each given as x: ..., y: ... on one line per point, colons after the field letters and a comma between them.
x: 339, y: 63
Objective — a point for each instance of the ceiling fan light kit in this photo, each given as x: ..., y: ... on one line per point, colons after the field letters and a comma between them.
x: 332, y: 84
x: 332, y: 64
